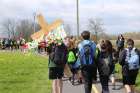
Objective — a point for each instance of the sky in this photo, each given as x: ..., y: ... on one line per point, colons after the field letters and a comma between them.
x: 118, y: 16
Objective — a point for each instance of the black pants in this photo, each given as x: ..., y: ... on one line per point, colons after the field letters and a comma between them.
x: 89, y: 75
x: 104, y: 83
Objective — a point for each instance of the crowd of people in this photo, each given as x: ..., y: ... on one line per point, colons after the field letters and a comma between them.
x: 86, y: 60
x: 11, y: 44
x: 20, y: 44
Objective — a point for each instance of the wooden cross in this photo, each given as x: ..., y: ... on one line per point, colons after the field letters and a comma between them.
x: 45, y: 27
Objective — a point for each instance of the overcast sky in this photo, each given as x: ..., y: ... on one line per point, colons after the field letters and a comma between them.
x: 118, y: 15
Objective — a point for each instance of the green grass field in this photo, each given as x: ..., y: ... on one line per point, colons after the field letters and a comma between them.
x: 23, y: 73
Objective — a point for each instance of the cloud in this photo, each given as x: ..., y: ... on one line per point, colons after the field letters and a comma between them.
x: 116, y: 14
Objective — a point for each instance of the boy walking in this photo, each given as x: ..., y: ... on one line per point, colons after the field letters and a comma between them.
x: 87, y: 50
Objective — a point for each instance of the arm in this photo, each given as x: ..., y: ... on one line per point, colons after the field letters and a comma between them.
x: 97, y: 55
x: 117, y: 43
x: 122, y: 57
x: 138, y: 51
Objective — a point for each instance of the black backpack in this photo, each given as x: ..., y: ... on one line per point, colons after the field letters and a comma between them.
x: 58, y: 55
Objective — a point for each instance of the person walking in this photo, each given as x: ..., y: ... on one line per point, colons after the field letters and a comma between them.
x: 87, y: 49
x: 105, y: 63
x: 57, y: 58
x: 129, y: 59
x: 72, y: 58
x: 120, y: 43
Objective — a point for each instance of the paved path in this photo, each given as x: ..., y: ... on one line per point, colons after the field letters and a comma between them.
x: 68, y: 88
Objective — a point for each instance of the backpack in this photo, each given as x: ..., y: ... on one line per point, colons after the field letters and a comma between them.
x: 132, y: 59
x: 86, y: 55
x: 71, y: 57
x: 58, y: 55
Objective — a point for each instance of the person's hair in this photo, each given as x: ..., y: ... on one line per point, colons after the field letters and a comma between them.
x: 103, y: 45
x: 131, y: 41
x: 85, y: 35
x: 72, y: 43
x: 109, y: 46
x: 120, y: 36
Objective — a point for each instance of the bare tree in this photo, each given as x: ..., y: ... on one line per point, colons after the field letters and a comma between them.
x: 96, y: 26
x: 25, y: 28
x: 9, y: 26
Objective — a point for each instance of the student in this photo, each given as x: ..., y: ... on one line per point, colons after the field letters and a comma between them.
x: 72, y: 58
x: 57, y: 59
x: 120, y: 43
x: 105, y: 63
x: 87, y: 50
x: 130, y: 61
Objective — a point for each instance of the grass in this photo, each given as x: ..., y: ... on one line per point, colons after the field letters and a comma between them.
x: 23, y: 73
x: 138, y: 82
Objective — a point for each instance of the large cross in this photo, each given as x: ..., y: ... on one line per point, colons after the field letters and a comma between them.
x: 45, y: 27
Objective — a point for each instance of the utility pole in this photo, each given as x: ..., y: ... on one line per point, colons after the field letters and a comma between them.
x: 77, y: 14
x: 34, y: 14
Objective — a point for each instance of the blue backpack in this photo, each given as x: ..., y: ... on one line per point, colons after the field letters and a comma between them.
x: 132, y: 59
x: 87, y: 54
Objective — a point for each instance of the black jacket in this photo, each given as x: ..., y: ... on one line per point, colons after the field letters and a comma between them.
x: 102, y: 68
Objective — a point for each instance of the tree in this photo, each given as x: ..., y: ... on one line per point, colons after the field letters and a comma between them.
x: 19, y: 28
x: 25, y: 28
x: 9, y: 26
x: 96, y: 26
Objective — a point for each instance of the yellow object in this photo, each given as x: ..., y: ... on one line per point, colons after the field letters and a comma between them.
x: 45, y: 27
x: 94, y: 89
x: 37, y: 35
x: 41, y: 22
